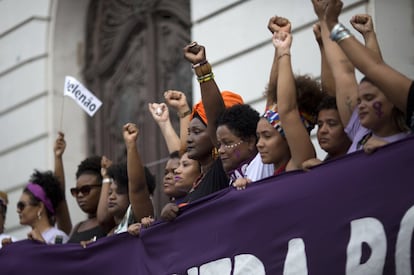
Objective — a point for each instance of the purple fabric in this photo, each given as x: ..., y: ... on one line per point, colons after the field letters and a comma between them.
x: 40, y: 194
x: 218, y: 233
x: 355, y: 131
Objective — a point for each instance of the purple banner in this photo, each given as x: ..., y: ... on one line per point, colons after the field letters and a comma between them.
x: 350, y: 216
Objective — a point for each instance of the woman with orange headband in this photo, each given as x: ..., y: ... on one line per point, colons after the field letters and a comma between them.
x: 223, y: 152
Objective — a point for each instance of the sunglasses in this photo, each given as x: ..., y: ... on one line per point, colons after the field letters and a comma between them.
x: 85, y: 190
x: 22, y: 205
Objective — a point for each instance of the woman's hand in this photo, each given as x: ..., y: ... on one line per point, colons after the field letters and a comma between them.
x: 169, y: 212
x: 241, y: 183
x: 159, y: 112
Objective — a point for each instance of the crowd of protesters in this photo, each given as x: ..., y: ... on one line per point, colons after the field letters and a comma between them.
x: 224, y: 143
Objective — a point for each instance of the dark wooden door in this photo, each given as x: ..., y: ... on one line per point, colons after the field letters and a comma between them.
x: 133, y: 54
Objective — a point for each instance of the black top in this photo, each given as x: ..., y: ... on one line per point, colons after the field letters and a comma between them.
x: 86, y: 235
x: 215, y: 180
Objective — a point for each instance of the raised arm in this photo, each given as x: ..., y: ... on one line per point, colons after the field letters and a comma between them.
x: 160, y: 113
x: 275, y: 25
x: 138, y: 193
x: 178, y: 101
x: 102, y: 214
x: 363, y: 23
x: 346, y: 85
x: 210, y: 93
x: 300, y: 145
x: 63, y: 220
x: 391, y: 82
x: 327, y: 78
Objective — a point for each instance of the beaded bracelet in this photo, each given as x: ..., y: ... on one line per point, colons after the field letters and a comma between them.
x: 183, y: 115
x: 199, y: 64
x: 205, y: 78
x: 203, y: 69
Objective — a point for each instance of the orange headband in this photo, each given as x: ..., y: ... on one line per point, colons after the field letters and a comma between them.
x: 230, y: 98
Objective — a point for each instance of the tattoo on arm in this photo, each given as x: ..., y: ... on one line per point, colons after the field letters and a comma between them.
x: 350, y: 105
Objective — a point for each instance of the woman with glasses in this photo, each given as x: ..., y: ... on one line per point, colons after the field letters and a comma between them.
x: 37, y: 208
x: 86, y: 193
x: 226, y: 150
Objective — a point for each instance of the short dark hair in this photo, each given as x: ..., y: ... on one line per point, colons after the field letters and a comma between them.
x: 119, y: 173
x: 241, y: 119
x: 327, y: 103
x: 90, y: 165
x: 175, y: 155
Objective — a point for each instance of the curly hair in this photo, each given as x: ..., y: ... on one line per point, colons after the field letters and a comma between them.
x: 119, y: 173
x: 50, y: 184
x: 309, y: 94
x: 241, y: 119
x: 90, y: 165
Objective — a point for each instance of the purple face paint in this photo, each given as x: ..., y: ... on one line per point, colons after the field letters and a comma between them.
x: 378, y: 108
x: 237, y: 152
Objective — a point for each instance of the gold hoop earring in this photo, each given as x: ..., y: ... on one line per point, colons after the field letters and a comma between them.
x: 214, y: 153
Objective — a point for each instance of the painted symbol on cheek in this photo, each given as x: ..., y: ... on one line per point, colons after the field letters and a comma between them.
x: 237, y: 152
x: 378, y: 108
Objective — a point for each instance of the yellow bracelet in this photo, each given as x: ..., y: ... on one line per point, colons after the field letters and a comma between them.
x: 205, y: 78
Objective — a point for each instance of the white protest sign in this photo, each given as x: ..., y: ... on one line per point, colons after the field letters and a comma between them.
x: 87, y: 100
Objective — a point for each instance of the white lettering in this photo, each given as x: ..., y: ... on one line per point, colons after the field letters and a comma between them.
x: 371, y: 232
x: 403, y: 246
x: 248, y: 264
x: 221, y: 266
x: 192, y: 271
x: 295, y: 262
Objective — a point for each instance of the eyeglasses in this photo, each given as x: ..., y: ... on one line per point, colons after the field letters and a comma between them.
x: 85, y: 190
x: 22, y: 205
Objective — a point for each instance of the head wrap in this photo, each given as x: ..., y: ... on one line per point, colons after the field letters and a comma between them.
x: 230, y: 98
x: 272, y: 116
x: 40, y: 194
